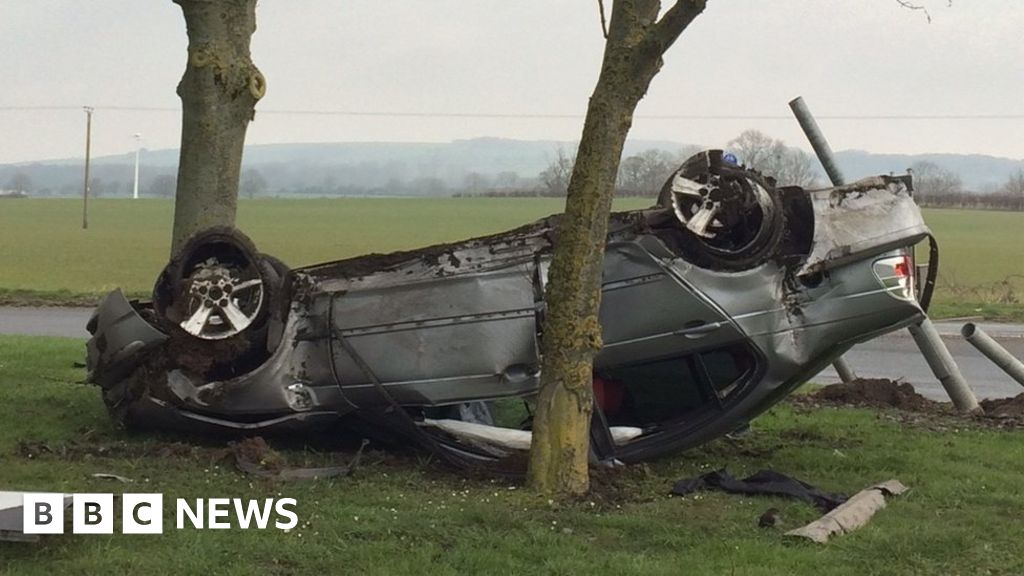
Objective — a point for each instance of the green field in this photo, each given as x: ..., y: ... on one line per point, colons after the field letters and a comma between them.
x: 404, y: 514
x: 44, y: 252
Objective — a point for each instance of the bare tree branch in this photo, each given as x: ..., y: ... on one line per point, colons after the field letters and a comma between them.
x: 915, y: 6
x: 911, y: 6
x: 604, y: 23
x: 673, y: 22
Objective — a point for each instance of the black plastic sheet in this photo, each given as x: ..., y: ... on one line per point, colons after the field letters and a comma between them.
x: 763, y: 482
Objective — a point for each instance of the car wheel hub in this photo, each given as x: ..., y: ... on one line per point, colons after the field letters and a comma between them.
x: 223, y: 300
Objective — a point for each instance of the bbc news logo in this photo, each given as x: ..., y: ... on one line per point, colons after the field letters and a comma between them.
x: 43, y: 513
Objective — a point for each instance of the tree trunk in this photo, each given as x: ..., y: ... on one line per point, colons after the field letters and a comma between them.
x: 218, y: 91
x: 572, y: 333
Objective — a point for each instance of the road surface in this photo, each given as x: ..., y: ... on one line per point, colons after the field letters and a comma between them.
x: 893, y: 356
x: 26, y: 321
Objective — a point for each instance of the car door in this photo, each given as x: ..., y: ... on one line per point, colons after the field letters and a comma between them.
x: 664, y: 341
x: 650, y: 312
x: 441, y: 340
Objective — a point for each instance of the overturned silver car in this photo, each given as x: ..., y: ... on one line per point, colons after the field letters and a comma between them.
x: 719, y: 301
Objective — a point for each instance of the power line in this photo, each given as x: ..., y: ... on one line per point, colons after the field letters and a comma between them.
x: 540, y: 116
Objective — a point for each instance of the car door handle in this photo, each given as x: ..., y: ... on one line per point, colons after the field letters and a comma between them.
x: 698, y: 329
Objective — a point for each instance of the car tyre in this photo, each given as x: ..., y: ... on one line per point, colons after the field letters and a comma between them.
x: 741, y: 214
x: 214, y: 298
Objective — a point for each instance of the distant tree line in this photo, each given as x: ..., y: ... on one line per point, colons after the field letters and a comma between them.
x: 789, y: 166
x: 156, y: 185
x: 937, y: 187
x: 644, y: 174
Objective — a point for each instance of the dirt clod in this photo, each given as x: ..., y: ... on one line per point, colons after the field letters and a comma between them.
x: 876, y: 393
x: 1012, y: 407
x: 899, y: 402
x: 256, y: 451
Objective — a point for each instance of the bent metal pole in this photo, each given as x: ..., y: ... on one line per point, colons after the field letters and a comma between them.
x: 824, y: 154
x: 925, y: 334
x: 943, y: 366
x: 818, y: 142
x: 993, y: 351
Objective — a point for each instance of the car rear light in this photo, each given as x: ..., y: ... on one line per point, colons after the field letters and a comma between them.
x: 903, y: 268
x: 896, y: 273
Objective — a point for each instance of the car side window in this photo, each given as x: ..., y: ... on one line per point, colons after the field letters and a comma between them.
x: 649, y: 394
x: 727, y: 368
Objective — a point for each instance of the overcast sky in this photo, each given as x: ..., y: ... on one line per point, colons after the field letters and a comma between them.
x: 743, y: 58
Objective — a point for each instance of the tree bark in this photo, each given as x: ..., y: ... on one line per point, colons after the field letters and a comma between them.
x: 572, y: 332
x: 218, y: 92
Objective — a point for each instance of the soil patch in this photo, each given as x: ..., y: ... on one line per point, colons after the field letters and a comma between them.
x: 256, y: 452
x: 1012, y: 407
x: 877, y: 393
x: 899, y: 402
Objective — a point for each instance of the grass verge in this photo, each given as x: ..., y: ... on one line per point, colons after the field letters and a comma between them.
x: 405, y: 514
x: 987, y: 310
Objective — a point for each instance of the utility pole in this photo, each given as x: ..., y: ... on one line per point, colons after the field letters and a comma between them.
x: 138, y: 145
x: 85, y: 188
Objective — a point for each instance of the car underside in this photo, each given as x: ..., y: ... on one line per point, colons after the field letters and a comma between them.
x: 717, y: 302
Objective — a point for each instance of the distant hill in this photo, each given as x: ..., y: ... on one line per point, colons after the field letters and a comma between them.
x: 978, y: 172
x: 391, y: 168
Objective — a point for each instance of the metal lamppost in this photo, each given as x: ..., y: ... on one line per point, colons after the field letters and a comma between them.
x: 138, y: 146
x: 85, y: 187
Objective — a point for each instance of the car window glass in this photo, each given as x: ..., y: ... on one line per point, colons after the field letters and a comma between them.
x: 650, y: 393
x: 726, y: 368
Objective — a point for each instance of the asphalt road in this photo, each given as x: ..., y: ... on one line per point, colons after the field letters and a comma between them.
x: 896, y: 356
x: 65, y: 322
x: 892, y: 356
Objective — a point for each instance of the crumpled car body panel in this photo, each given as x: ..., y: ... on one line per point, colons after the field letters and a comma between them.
x: 858, y: 220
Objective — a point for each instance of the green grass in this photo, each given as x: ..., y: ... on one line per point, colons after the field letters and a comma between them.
x: 981, y: 264
x: 44, y: 250
x: 406, y: 515
x: 45, y: 256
